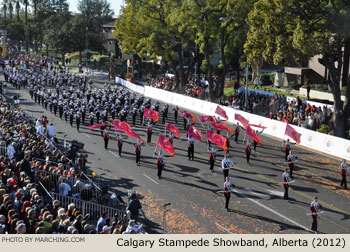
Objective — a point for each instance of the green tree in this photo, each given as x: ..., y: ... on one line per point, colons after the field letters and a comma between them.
x: 157, y: 28
x: 285, y: 30
x: 59, y: 33
x: 95, y: 13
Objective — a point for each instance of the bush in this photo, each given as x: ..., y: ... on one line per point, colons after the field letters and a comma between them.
x: 268, y: 79
x: 323, y: 129
x: 293, y: 85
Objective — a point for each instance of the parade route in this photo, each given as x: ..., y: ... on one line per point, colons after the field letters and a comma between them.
x: 256, y: 205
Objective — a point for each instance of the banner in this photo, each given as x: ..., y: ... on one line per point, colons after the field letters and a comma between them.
x: 252, y: 134
x: 220, y: 111
x: 221, y: 126
x: 188, y: 114
x: 292, y: 133
x: 152, y: 114
x: 118, y: 125
x: 203, y: 119
x: 242, y: 120
x: 165, y: 144
x: 195, y: 133
x: 172, y: 128
x: 96, y: 126
x: 132, y: 133
x: 217, y: 139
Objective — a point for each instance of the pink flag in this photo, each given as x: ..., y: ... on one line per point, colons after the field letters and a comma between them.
x: 207, y: 119
x: 257, y: 126
x: 195, y: 133
x: 118, y: 125
x: 188, y: 114
x: 220, y: 111
x: 96, y: 126
x: 166, y: 145
x: 217, y: 139
x: 242, y: 120
x: 173, y: 129
x: 252, y: 134
x: 221, y: 126
x: 292, y: 133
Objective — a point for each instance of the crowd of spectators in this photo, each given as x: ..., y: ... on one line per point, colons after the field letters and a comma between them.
x: 168, y: 83
x: 296, y: 112
x: 24, y: 206
x: 162, y: 82
x: 302, y: 114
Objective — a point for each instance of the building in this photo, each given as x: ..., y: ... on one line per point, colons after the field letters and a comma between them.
x: 109, y: 38
x: 313, y: 71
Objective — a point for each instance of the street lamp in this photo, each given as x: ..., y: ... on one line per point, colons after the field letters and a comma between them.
x: 246, y: 88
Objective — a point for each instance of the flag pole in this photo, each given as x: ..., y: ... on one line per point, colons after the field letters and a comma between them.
x: 205, y: 130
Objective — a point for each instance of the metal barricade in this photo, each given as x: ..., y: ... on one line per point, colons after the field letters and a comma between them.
x: 261, y: 108
x: 3, y: 150
x: 87, y: 207
x: 51, y: 182
x: 275, y: 107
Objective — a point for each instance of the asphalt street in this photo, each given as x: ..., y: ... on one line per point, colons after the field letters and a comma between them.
x: 256, y: 205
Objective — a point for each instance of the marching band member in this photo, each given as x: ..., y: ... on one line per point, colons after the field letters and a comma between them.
x: 160, y: 164
x: 291, y: 159
x: 227, y: 192
x: 248, y: 150
x: 343, y: 167
x: 285, y: 177
x: 176, y: 109
x: 212, y: 158
x: 120, y: 144
x: 106, y: 137
x: 228, y: 142
x: 171, y: 137
x: 237, y: 128
x: 226, y: 164
x: 190, y: 145
x: 287, y: 149
x: 315, y: 206
x: 77, y: 120
x: 149, y: 132
x: 138, y: 151
x: 91, y: 116
x: 255, y: 143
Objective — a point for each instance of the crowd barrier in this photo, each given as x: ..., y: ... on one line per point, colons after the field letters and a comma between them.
x: 256, y: 91
x: 127, y: 84
x: 87, y: 207
x: 328, y: 144
x: 51, y: 182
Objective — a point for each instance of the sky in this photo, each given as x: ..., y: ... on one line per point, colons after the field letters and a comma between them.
x: 115, y: 5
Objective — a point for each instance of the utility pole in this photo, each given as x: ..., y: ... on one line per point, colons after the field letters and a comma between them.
x: 246, y: 88
x: 87, y: 45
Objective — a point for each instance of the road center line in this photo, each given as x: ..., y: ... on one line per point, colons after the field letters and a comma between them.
x: 222, y: 228
x: 113, y: 153
x: 272, y: 211
x: 86, y: 135
x: 150, y: 179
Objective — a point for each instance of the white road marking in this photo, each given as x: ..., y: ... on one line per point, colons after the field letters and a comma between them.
x: 223, y: 228
x: 273, y: 211
x: 86, y: 135
x: 278, y: 193
x: 257, y: 193
x: 113, y: 153
x: 151, y: 179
